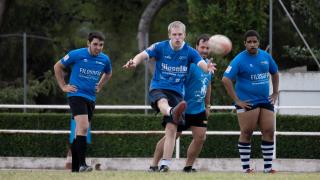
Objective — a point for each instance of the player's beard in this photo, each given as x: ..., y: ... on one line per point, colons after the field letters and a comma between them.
x: 94, y: 52
x: 204, y: 55
x: 253, y: 51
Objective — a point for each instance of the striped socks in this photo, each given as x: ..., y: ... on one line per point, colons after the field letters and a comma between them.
x: 267, y: 152
x: 245, y: 151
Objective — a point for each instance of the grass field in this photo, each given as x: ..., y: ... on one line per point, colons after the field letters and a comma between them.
x: 140, y: 175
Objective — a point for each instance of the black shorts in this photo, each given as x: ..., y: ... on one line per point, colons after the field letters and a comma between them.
x: 173, y: 99
x: 268, y: 106
x: 80, y: 106
x: 197, y: 120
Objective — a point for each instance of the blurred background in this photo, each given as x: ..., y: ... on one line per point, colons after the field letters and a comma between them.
x: 44, y: 31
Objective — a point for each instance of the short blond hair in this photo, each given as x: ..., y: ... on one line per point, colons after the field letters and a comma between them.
x: 176, y: 24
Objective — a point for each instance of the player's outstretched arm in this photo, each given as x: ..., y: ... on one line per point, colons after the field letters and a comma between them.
x: 207, y: 67
x: 133, y: 63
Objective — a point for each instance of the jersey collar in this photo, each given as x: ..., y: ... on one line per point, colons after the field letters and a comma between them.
x: 170, y: 42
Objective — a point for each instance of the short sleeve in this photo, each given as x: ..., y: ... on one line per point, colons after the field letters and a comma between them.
x: 108, y: 67
x: 152, y: 50
x: 232, y: 69
x: 194, y: 56
x: 69, y: 58
x: 273, y: 67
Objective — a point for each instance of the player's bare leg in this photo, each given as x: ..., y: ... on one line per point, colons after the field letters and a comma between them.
x: 158, y: 152
x: 163, y: 105
x: 170, y: 138
x: 174, y: 112
x: 247, y: 122
x: 195, y: 147
x: 82, y: 126
x: 266, y: 122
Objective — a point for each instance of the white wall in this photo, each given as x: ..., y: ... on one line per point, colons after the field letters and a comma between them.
x: 299, y: 89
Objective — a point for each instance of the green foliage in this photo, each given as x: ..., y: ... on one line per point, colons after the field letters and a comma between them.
x: 301, y: 55
x: 306, y: 16
x: 67, y: 24
x: 38, y: 88
x: 231, y: 18
x: 143, y: 145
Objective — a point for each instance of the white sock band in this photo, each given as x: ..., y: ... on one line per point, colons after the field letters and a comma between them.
x: 168, y: 111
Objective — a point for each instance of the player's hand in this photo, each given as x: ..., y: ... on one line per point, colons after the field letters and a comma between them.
x: 207, y: 111
x: 69, y: 88
x: 244, y: 104
x: 130, y: 64
x: 273, y: 97
x: 211, y: 67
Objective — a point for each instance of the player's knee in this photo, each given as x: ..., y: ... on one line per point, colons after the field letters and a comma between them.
x: 161, y: 102
x: 246, y: 134
x: 269, y: 133
x: 201, y: 138
x: 82, y: 130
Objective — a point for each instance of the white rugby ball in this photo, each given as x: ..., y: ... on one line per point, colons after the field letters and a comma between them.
x: 219, y: 45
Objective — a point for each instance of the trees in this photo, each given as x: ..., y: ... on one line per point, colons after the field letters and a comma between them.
x: 291, y: 49
x: 2, y: 9
x: 68, y: 22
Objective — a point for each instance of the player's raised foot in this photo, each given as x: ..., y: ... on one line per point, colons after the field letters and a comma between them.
x: 249, y: 171
x: 85, y: 168
x: 164, y: 168
x: 270, y: 171
x: 189, y: 169
x: 153, y: 169
x: 176, y: 112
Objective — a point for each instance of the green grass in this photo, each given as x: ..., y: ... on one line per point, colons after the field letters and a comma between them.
x: 140, y: 175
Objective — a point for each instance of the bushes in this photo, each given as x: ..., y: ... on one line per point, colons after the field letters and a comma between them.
x: 143, y: 145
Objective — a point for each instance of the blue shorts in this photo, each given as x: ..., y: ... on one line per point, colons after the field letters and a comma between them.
x: 268, y: 106
x: 73, y: 132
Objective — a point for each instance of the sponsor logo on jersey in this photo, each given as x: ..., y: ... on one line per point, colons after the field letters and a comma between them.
x: 182, y: 57
x: 85, y: 60
x: 66, y: 57
x: 167, y: 57
x: 259, y: 76
x: 264, y: 62
x: 89, y: 72
x: 228, y: 69
x: 98, y: 62
x: 166, y: 67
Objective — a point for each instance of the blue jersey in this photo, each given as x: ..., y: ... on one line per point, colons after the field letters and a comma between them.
x: 196, y: 86
x: 171, y: 66
x: 251, y: 73
x: 86, y: 71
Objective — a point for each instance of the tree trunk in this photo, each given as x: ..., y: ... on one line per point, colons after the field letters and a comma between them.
x: 145, y: 21
x: 2, y: 9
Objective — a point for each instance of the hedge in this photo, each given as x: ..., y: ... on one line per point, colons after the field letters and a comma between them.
x: 216, y: 146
